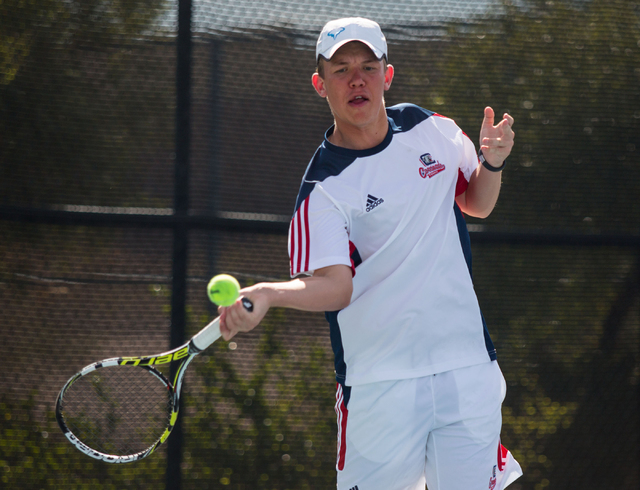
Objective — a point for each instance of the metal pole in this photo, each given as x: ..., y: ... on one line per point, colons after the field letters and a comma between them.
x: 181, y: 208
x: 214, y: 153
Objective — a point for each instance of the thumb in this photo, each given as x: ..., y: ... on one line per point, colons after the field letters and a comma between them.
x: 488, y: 117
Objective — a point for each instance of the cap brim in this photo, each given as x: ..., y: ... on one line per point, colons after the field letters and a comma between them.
x: 328, y: 54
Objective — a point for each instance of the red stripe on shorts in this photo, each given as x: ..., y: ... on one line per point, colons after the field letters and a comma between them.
x: 342, y: 413
x: 503, y: 453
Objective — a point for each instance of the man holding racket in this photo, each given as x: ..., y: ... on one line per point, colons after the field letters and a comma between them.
x: 378, y: 241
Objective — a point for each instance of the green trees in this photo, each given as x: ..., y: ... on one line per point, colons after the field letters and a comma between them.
x: 568, y: 72
x: 77, y: 104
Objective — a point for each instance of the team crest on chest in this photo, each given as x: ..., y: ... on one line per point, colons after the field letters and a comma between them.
x: 430, y: 166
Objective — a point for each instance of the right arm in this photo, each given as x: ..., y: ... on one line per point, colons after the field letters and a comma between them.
x: 329, y: 289
x: 317, y: 236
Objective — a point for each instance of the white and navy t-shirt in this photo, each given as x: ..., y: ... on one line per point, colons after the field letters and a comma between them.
x: 389, y: 213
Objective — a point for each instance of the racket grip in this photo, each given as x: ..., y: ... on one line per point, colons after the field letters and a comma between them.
x: 209, y: 334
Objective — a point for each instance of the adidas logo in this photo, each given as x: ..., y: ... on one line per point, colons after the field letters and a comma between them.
x: 372, y: 202
x: 354, y: 488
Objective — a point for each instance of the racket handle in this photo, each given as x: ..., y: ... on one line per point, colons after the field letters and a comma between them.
x: 209, y: 334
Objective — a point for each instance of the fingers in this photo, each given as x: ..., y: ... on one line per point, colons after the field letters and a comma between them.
x: 489, y: 116
x: 496, y: 141
x: 229, y: 321
x: 508, y: 118
x: 501, y: 134
x: 502, y: 141
x: 491, y: 143
x: 224, y: 329
x: 495, y: 145
x: 505, y: 126
x: 235, y: 319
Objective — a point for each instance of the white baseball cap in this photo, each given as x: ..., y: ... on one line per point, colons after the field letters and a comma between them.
x: 337, y: 33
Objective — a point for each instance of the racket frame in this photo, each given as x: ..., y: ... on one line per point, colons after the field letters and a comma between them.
x: 184, y: 354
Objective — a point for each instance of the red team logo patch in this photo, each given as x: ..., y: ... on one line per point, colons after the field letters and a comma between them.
x: 431, y: 167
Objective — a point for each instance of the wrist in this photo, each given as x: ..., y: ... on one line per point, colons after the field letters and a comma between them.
x: 284, y: 294
x: 488, y: 166
x: 260, y: 293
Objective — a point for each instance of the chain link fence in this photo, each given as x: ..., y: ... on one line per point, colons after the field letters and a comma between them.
x: 139, y: 158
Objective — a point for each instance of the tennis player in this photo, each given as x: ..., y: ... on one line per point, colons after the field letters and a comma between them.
x: 379, y: 242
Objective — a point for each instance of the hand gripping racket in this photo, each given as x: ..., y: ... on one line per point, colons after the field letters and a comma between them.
x: 120, y: 410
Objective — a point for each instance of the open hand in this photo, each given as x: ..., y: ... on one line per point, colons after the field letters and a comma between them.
x: 496, y: 141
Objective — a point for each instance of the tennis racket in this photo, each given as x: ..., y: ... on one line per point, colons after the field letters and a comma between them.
x: 120, y: 410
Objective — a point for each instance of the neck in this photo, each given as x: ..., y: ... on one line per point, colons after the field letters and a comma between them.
x: 360, y: 138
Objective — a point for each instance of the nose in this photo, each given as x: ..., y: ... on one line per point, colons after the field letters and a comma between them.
x: 357, y: 79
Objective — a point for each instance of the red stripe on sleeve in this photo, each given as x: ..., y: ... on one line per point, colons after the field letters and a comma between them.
x: 462, y: 184
x: 352, y: 248
x: 292, y: 234
x: 299, y: 240
x: 306, y: 234
x: 299, y: 252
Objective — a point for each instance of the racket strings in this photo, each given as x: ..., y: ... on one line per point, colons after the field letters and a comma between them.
x: 119, y: 410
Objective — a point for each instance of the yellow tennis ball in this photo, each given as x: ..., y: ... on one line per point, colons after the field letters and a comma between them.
x: 223, y: 290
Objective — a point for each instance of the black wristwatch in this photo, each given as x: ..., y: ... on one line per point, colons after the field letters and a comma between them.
x: 488, y: 166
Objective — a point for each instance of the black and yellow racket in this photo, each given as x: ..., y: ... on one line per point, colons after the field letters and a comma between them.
x: 120, y: 410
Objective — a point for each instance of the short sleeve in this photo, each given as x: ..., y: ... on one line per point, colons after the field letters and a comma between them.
x: 467, y: 156
x: 470, y: 160
x: 468, y: 164
x: 318, y: 235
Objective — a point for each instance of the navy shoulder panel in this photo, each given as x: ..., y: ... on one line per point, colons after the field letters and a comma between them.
x: 330, y: 160
x: 325, y: 163
x: 404, y: 117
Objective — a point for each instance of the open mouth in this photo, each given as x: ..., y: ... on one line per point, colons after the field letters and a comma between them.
x: 358, y: 100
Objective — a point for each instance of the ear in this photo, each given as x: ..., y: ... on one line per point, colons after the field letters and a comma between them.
x: 388, y: 77
x: 318, y: 84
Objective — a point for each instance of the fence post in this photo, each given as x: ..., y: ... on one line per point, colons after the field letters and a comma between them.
x: 181, y: 208
x: 214, y: 152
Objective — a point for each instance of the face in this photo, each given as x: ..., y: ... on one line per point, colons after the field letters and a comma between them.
x: 354, y: 83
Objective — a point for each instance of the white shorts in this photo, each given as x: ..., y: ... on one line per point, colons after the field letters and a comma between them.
x: 441, y: 430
